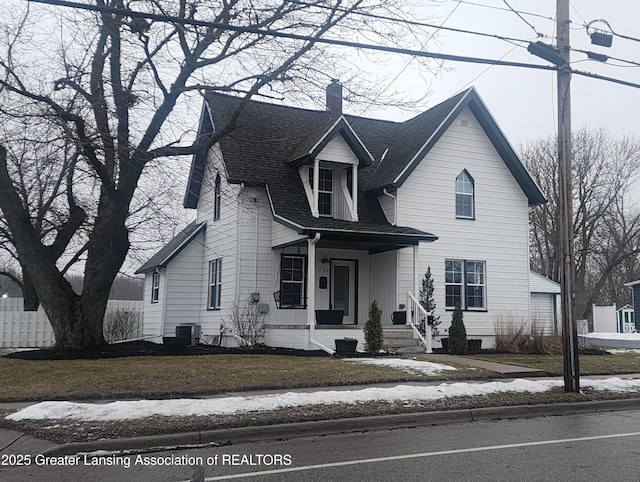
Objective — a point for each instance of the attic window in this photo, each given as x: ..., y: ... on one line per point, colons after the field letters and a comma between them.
x: 465, y: 196
x: 217, y: 198
x: 325, y: 190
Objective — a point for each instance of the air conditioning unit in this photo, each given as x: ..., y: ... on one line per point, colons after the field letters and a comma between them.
x: 190, y: 332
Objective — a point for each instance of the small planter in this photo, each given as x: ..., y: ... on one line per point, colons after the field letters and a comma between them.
x: 474, y: 345
x: 445, y: 343
x: 346, y: 346
x: 399, y: 317
x: 329, y: 317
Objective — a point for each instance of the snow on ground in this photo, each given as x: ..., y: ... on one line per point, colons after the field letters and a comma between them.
x: 613, y: 336
x: 127, y: 410
x: 614, y: 340
x: 411, y: 366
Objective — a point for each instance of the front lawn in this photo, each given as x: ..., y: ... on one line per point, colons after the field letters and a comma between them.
x: 623, y: 362
x: 173, y: 376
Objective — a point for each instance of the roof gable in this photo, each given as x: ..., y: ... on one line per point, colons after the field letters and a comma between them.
x: 163, y: 257
x: 417, y: 136
x: 312, y: 144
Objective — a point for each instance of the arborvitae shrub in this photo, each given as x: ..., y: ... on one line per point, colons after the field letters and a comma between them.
x: 457, y: 333
x: 373, y: 329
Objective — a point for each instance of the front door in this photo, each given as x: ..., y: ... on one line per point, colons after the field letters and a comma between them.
x: 343, y: 289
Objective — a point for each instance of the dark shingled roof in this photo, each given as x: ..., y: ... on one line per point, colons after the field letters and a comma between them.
x: 269, y: 136
x: 172, y: 248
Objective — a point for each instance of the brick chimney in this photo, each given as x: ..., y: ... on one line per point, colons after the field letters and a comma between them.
x: 334, y: 98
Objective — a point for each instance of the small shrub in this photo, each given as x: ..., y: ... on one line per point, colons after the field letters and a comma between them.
x: 246, y: 323
x: 373, y: 329
x: 457, y: 333
x: 120, y: 325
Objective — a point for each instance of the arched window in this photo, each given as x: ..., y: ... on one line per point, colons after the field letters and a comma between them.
x: 216, y: 198
x: 465, y: 196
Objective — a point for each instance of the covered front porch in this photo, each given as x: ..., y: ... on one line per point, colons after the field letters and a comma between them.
x: 324, y: 285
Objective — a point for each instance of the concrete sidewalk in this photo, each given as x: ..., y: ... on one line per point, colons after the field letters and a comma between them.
x: 500, y: 369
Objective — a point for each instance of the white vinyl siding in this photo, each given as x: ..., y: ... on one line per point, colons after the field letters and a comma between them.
x: 182, y: 293
x: 499, y: 236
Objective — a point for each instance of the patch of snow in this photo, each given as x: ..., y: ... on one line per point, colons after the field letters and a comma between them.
x: 411, y: 366
x: 613, y: 336
x: 132, y: 409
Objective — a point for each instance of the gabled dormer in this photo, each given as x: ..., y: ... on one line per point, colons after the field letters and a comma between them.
x: 328, y: 162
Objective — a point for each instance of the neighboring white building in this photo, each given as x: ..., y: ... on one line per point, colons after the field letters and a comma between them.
x: 545, y: 302
x: 304, y: 210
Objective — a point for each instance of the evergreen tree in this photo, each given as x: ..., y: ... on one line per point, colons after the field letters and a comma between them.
x: 373, y: 329
x: 457, y: 333
x: 426, y: 300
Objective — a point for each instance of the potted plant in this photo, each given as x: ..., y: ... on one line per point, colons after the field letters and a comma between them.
x: 474, y: 345
x: 346, y: 346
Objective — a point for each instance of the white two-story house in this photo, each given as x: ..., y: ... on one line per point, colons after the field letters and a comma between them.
x: 306, y: 211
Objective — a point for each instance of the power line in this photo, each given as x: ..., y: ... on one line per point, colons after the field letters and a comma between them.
x: 341, y: 43
x: 493, y: 7
x: 292, y: 36
x: 523, y: 19
x: 412, y: 22
x: 605, y: 58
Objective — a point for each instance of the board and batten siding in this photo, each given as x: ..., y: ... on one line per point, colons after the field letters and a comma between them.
x: 383, y: 283
x: 498, y: 235
x: 183, y: 296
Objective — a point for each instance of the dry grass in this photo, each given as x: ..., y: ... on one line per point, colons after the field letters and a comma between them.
x: 529, y: 338
x: 182, y: 375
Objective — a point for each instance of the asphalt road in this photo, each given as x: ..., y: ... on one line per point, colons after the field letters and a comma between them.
x: 586, y: 447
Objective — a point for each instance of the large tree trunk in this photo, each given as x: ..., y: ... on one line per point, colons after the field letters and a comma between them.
x: 29, y: 294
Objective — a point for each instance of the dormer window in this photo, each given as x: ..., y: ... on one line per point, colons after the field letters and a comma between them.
x: 465, y: 196
x: 325, y: 190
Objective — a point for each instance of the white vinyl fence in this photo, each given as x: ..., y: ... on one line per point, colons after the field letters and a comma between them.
x: 31, y: 329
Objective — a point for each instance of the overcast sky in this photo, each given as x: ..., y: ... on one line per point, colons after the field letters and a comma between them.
x: 523, y: 101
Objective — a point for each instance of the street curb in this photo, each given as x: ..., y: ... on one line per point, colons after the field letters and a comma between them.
x: 347, y: 425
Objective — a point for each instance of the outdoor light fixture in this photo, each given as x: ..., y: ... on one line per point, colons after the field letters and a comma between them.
x: 546, y: 52
x: 602, y: 39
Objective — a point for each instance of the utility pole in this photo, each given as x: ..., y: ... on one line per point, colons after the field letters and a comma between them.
x: 567, y: 270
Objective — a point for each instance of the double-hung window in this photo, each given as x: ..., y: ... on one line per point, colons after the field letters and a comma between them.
x: 325, y: 190
x: 465, y: 208
x: 292, y: 282
x: 215, y: 284
x: 155, y: 287
x: 465, y: 284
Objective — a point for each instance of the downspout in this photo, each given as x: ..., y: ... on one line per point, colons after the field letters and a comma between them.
x: 395, y: 206
x: 311, y: 275
x: 238, y: 241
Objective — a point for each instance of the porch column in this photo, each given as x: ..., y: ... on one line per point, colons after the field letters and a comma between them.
x: 311, y: 280
x: 415, y: 270
x: 316, y: 187
x: 354, y: 192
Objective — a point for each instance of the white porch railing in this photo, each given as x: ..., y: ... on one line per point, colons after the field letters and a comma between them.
x: 416, y: 313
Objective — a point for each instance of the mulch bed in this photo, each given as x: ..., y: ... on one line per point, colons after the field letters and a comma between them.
x: 146, y: 348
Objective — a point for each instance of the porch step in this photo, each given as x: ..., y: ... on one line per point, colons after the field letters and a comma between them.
x: 399, y: 339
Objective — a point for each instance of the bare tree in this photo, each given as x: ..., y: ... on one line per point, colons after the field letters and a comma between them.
x: 606, y: 221
x: 112, y: 84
